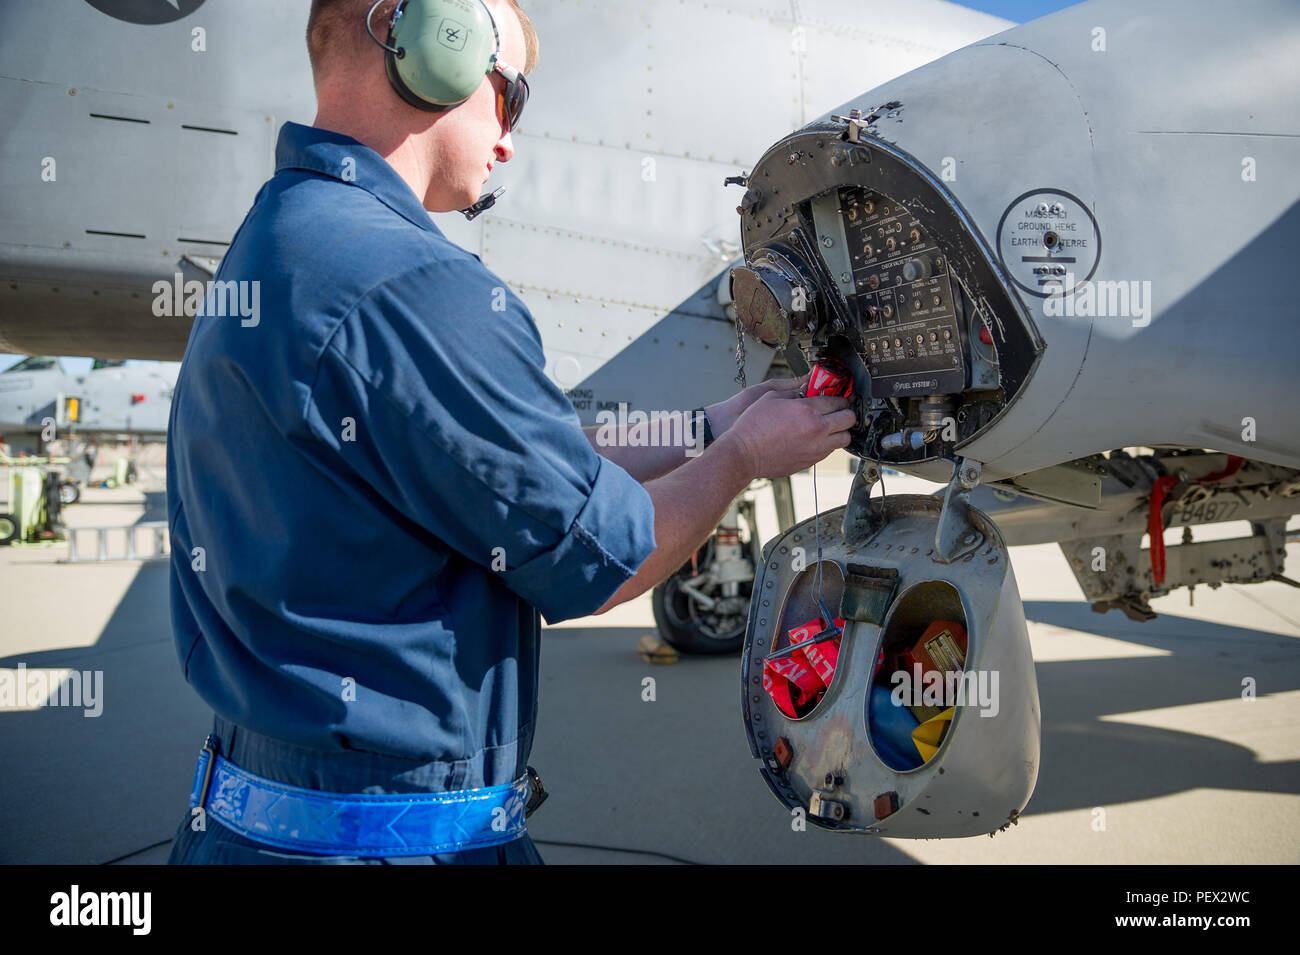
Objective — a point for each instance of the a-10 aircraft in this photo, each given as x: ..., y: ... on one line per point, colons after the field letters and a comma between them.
x: 140, y: 131
x: 1059, y: 242
x: 39, y: 400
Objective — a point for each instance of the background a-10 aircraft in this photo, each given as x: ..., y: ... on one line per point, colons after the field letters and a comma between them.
x: 39, y: 399
x: 1023, y: 182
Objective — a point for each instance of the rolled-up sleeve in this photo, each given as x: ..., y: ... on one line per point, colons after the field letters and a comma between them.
x: 433, y: 390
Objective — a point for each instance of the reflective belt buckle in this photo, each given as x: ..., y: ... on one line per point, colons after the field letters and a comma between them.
x: 211, y: 746
x: 537, y: 793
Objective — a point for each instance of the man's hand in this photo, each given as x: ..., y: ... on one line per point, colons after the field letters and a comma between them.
x: 725, y: 413
x: 776, y: 435
x: 782, y: 433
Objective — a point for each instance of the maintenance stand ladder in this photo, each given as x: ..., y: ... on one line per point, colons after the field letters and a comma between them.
x: 157, y: 549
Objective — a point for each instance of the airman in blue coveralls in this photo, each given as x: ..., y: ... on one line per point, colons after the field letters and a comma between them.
x: 374, y: 489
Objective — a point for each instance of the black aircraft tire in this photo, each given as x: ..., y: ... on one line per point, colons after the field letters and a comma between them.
x: 8, y: 528
x: 69, y: 493
x: 688, y: 633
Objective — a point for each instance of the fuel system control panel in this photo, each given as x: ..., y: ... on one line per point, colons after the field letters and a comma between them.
x: 903, y: 298
x: 855, y: 253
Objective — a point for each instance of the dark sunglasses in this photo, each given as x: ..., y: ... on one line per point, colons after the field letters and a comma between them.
x: 511, y: 103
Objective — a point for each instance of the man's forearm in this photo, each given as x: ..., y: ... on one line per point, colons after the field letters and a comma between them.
x: 647, y: 450
x: 689, y: 502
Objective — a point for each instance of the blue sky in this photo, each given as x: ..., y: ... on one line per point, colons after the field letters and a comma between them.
x: 1018, y: 10
x: 1021, y: 11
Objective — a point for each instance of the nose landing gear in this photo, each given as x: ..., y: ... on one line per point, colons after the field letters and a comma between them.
x: 703, y: 608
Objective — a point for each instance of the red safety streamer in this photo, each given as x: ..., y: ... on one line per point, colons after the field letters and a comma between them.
x: 1156, y: 521
x: 1156, y: 527
x: 797, y: 681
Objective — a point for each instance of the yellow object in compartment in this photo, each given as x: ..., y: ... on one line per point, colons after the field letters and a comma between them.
x: 929, y: 735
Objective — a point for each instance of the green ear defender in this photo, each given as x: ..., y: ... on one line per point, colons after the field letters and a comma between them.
x: 438, y: 51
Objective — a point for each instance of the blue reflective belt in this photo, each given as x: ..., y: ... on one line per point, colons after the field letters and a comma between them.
x: 309, y: 820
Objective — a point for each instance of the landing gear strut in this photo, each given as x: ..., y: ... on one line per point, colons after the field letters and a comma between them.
x: 704, y: 606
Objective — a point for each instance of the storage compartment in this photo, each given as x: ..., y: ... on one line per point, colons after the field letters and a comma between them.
x: 956, y: 774
x: 798, y: 678
x: 918, y: 683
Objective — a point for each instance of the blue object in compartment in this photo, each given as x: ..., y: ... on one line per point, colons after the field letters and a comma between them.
x: 891, y: 730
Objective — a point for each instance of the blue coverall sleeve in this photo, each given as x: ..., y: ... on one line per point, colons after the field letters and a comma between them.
x: 454, y: 424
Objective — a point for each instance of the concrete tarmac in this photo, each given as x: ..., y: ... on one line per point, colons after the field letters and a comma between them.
x: 1150, y: 754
